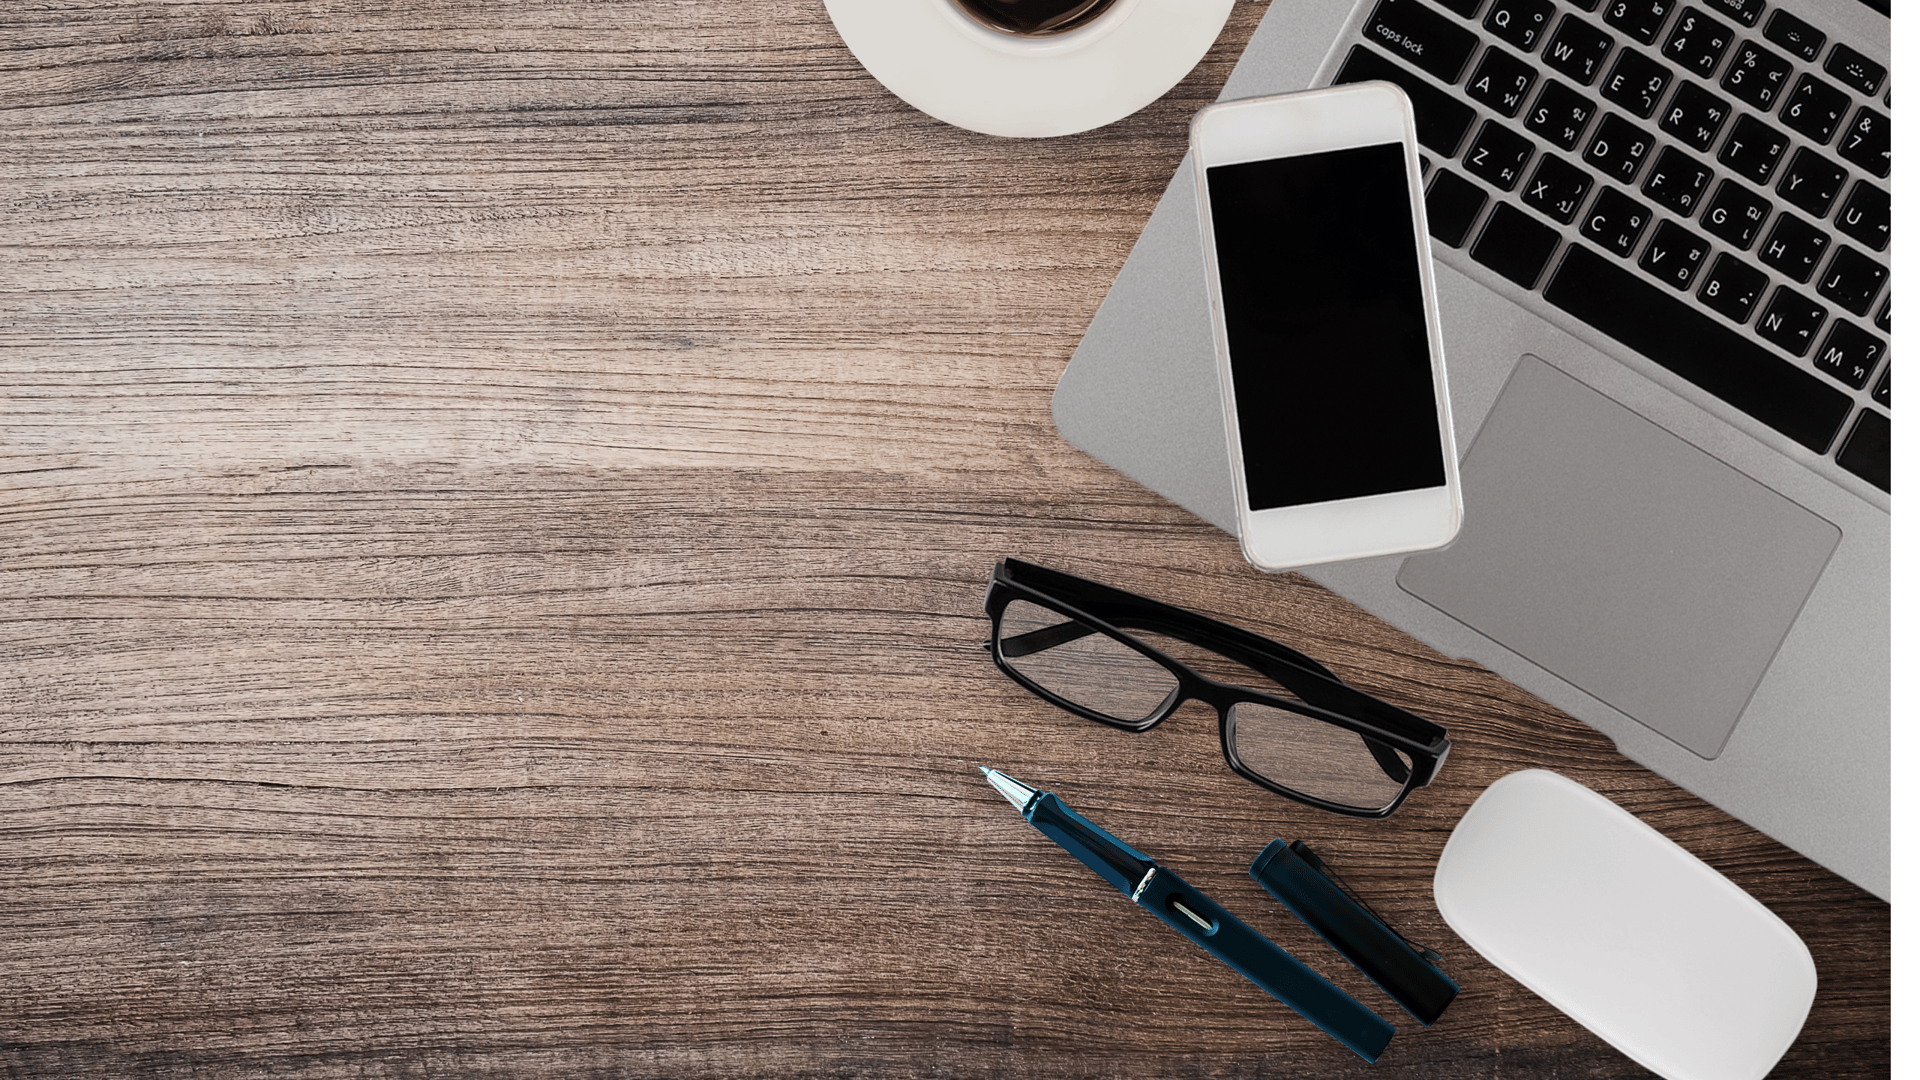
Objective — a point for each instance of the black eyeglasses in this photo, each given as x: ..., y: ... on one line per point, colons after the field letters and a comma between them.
x: 1100, y: 652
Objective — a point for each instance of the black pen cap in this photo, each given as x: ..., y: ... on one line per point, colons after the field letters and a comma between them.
x: 1296, y: 877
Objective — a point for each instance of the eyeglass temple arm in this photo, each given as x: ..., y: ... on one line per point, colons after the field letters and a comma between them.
x: 1388, y: 761
x: 1303, y: 675
x: 1038, y: 641
x: 1258, y: 657
x: 1049, y: 637
x: 1295, y: 670
x: 1122, y: 608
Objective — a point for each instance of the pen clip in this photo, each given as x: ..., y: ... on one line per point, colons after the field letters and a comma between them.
x: 1300, y: 848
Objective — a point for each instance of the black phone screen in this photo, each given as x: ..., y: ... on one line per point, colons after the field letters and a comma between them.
x: 1326, y: 328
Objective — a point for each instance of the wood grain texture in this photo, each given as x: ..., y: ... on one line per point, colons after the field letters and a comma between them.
x: 495, y: 499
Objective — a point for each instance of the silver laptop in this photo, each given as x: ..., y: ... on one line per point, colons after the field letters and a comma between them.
x: 1662, y: 236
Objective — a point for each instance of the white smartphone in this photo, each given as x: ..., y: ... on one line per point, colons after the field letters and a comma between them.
x: 1326, y: 326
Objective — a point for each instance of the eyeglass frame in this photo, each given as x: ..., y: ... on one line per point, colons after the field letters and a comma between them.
x: 1322, y: 694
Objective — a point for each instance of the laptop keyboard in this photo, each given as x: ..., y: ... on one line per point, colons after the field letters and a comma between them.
x: 1707, y: 183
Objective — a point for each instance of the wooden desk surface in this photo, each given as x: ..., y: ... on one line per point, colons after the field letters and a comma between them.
x: 496, y: 499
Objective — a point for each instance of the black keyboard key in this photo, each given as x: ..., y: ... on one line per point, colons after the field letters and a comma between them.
x: 1697, y: 42
x: 1884, y: 320
x: 1794, y: 35
x: 1501, y: 81
x: 1453, y: 204
x: 1883, y: 391
x: 1466, y: 9
x: 1560, y: 115
x: 1640, y: 20
x: 1694, y: 116
x: 1618, y: 149
x: 1811, y: 182
x: 1867, y: 216
x: 1746, y: 11
x: 1794, y: 248
x: 1674, y: 255
x: 1756, y: 76
x: 1636, y: 83
x: 1676, y: 181
x: 1515, y: 245
x: 1732, y: 288
x: 1498, y: 155
x: 1615, y: 222
x: 1868, y: 142
x: 1668, y: 330
x: 1440, y: 120
x: 1410, y: 30
x: 1855, y: 69
x: 1578, y: 49
x: 1814, y: 108
x: 1849, y: 354
x: 1791, y: 321
x: 1852, y: 280
x: 1519, y: 23
x: 1557, y: 189
x: 1735, y: 214
x: 1753, y: 149
x: 1868, y: 453
x: 1585, y: 5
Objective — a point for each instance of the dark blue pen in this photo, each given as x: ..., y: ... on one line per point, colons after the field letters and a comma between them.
x: 1199, y: 919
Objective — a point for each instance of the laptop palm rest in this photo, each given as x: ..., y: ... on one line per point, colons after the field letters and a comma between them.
x: 1622, y: 559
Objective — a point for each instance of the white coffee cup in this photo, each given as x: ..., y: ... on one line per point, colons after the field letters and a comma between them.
x: 1049, y: 26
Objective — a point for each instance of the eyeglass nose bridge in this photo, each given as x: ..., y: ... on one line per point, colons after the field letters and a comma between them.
x: 1189, y: 686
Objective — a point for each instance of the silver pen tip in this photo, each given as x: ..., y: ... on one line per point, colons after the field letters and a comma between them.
x: 1010, y: 789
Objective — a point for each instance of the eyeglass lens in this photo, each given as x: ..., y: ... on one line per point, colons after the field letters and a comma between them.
x: 1303, y: 753
x: 1316, y: 758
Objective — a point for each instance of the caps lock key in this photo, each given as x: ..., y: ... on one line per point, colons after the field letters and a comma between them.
x: 1421, y: 35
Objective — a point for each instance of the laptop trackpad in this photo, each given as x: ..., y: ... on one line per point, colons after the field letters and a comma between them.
x: 1622, y: 559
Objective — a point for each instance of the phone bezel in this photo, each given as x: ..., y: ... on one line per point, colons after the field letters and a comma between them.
x: 1311, y: 122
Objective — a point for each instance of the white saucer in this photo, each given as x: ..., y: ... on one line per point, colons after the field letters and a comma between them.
x: 951, y: 68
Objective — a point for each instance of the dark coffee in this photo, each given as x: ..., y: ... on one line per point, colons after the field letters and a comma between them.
x: 1033, y: 18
